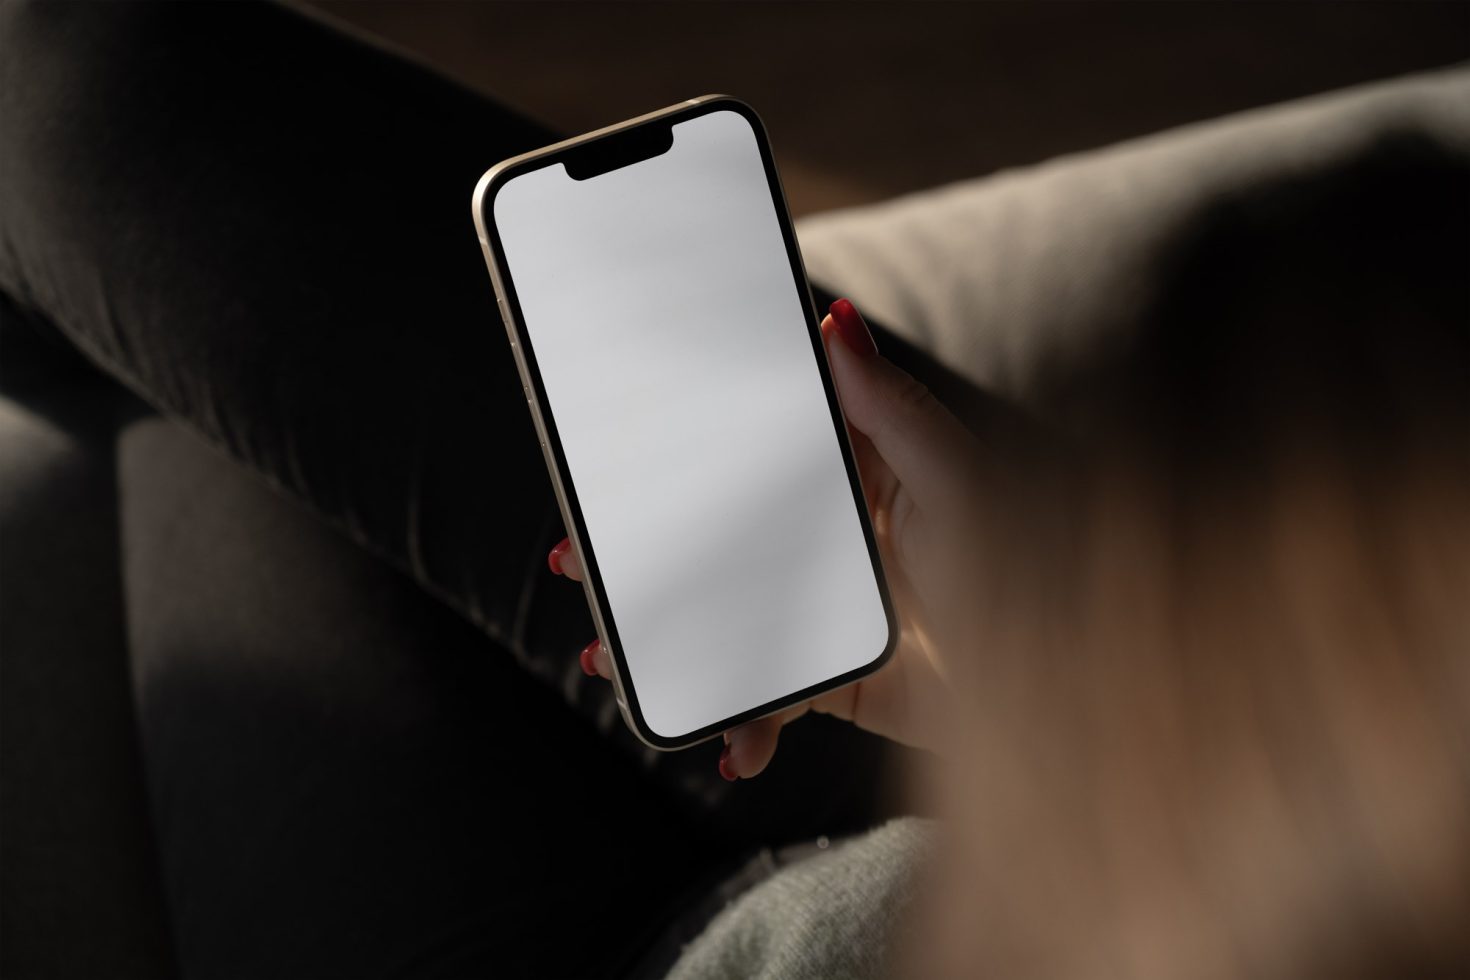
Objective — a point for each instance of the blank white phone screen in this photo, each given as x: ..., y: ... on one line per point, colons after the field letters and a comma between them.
x: 660, y: 305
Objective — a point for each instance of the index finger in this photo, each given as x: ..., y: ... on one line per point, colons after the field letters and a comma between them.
x: 925, y: 446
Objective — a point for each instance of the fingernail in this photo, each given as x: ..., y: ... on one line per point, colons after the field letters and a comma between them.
x: 725, y: 768
x: 554, y: 559
x: 585, y: 657
x: 851, y: 328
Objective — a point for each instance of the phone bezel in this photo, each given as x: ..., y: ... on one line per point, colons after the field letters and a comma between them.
x: 484, y: 199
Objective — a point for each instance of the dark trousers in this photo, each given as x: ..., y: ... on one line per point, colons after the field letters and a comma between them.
x: 262, y: 227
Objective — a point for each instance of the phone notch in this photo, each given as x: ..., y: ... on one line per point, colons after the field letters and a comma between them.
x: 618, y: 150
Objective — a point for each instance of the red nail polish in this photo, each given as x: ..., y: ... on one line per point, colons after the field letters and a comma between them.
x: 851, y: 328
x: 554, y: 559
x: 725, y: 769
x: 585, y: 657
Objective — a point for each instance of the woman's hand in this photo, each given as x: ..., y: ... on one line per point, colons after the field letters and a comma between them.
x: 919, y: 467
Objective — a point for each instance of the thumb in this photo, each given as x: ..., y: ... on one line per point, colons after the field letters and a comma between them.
x: 926, y: 447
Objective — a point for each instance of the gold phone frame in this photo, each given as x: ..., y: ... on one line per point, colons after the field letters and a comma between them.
x: 509, y: 307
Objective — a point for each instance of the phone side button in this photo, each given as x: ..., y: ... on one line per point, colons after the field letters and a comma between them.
x: 618, y: 691
x: 540, y: 427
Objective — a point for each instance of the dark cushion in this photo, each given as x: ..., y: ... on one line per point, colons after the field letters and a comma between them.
x: 80, y: 895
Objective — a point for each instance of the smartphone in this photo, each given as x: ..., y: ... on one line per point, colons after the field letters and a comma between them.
x: 660, y: 316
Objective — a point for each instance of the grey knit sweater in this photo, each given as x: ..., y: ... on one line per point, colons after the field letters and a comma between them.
x: 832, y: 914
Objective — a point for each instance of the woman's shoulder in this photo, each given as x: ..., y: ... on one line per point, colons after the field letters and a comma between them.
x: 833, y: 911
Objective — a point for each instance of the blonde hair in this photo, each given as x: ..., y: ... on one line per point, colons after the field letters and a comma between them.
x: 1219, y: 709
